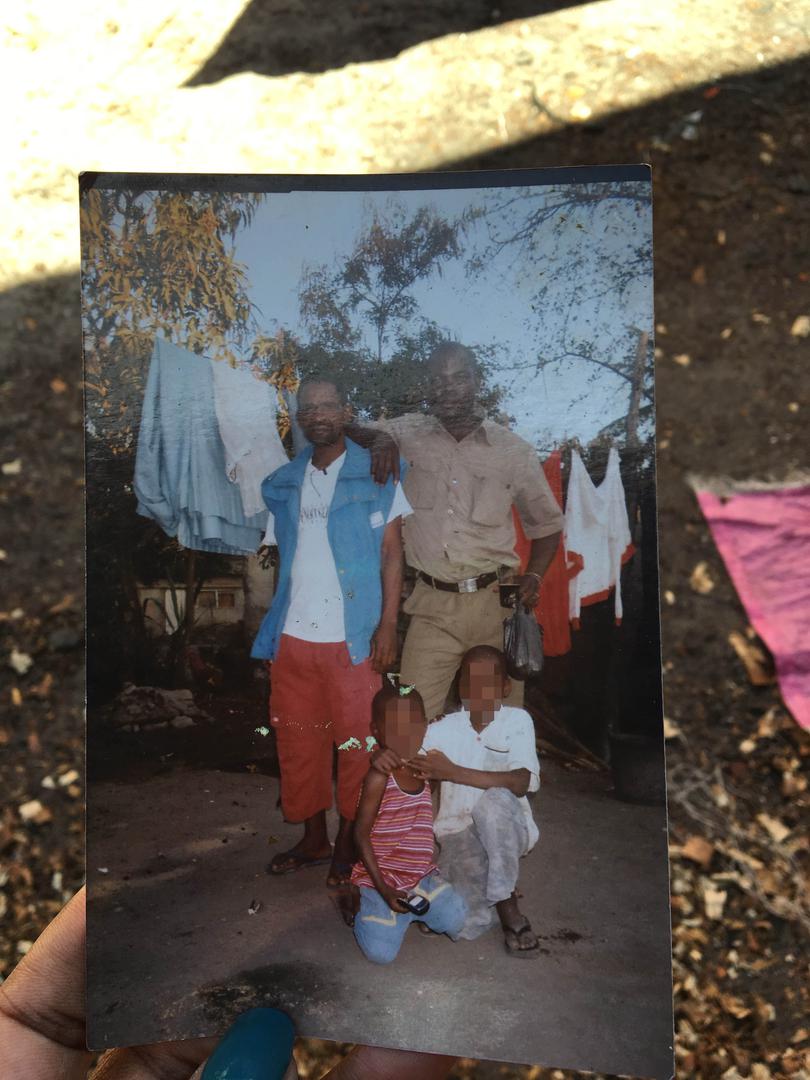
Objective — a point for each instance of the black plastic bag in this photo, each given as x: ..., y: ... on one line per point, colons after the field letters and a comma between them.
x: 522, y: 644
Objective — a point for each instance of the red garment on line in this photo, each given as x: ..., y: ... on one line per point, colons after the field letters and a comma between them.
x: 552, y: 606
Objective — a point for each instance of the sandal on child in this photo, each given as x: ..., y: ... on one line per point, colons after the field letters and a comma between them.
x: 511, y: 939
x: 339, y: 875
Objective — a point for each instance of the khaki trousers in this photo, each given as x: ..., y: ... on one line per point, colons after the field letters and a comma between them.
x: 443, y: 626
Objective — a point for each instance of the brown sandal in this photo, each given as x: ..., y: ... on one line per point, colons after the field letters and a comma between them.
x: 339, y: 875
x: 512, y: 937
x: 289, y: 862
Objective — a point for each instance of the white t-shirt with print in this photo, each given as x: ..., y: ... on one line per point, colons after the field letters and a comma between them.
x: 506, y: 743
x: 316, y: 599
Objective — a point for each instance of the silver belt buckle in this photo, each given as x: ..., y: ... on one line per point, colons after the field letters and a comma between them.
x: 468, y: 585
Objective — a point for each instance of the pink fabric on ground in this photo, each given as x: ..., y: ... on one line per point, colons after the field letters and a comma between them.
x: 764, y: 539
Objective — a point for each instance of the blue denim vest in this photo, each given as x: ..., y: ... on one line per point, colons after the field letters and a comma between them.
x: 355, y: 542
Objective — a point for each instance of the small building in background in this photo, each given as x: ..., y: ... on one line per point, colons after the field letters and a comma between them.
x: 220, y: 602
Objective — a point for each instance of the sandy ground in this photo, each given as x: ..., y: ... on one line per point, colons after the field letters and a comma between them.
x: 127, y: 106
x: 177, y: 861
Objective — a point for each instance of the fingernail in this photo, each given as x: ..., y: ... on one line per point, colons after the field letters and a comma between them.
x: 257, y: 1046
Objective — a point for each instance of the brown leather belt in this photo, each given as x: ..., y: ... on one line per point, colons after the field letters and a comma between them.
x: 468, y: 585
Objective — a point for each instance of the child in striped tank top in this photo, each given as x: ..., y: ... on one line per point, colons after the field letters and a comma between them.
x: 394, y: 837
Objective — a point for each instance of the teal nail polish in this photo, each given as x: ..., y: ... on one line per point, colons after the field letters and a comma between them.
x: 257, y: 1046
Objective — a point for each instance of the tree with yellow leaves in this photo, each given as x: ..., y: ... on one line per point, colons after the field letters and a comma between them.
x: 158, y: 263
x: 153, y: 263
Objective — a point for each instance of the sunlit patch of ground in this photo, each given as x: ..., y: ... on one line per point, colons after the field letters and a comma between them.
x: 103, y: 89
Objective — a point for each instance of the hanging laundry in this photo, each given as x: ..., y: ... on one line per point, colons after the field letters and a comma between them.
x: 180, y: 476
x: 597, y: 536
x: 300, y: 441
x: 246, y: 409
x: 763, y: 535
x: 552, y: 604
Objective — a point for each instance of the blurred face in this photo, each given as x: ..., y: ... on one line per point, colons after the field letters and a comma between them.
x: 453, y: 386
x: 404, y: 727
x: 482, y: 685
x: 321, y: 413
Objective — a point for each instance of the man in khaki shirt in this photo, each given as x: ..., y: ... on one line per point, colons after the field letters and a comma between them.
x: 465, y: 473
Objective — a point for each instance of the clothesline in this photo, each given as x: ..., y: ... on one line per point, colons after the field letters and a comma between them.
x: 182, y: 466
x: 208, y: 439
x: 595, y: 545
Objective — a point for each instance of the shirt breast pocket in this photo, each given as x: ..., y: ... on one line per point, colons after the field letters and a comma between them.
x: 420, y: 487
x: 496, y: 757
x: 492, y: 500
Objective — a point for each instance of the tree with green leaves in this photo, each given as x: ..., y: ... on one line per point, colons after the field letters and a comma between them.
x: 374, y: 282
x: 587, y: 248
x: 362, y: 316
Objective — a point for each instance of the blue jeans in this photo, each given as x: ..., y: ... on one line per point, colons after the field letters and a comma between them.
x: 379, y: 931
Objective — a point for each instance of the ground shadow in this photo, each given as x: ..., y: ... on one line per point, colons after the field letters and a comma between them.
x: 726, y: 411
x: 279, y: 37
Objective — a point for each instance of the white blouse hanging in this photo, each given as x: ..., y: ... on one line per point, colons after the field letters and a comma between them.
x: 597, y: 535
x: 246, y: 409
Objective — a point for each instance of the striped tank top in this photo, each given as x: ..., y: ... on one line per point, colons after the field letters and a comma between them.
x: 401, y: 838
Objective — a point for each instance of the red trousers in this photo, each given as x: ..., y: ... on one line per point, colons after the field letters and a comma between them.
x: 320, y: 700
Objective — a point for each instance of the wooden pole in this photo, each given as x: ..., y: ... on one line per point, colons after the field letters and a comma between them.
x: 636, y: 385
x: 191, y: 581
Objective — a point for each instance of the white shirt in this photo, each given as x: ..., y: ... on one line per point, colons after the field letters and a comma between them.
x: 597, y: 535
x: 316, y: 599
x: 507, y: 743
x: 246, y: 409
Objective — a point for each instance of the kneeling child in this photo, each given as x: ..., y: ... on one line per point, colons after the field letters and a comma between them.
x: 394, y: 836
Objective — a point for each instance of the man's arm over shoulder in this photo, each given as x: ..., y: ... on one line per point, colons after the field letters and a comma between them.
x: 404, y: 430
x: 383, y: 447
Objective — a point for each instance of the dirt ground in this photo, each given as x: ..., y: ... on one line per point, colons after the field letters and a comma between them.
x: 732, y: 192
x: 197, y: 879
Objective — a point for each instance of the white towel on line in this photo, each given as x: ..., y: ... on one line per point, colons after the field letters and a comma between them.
x: 246, y: 408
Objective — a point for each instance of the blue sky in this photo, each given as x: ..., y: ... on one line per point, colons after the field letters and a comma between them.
x: 566, y: 399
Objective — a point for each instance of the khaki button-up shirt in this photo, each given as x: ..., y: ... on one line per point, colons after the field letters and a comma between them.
x: 462, y: 495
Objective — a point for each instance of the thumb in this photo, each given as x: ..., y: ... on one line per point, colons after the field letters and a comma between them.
x: 257, y: 1046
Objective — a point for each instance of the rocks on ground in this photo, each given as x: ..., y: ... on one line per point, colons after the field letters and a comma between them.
x: 138, y: 707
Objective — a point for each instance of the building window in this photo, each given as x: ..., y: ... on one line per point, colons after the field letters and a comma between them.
x: 216, y: 598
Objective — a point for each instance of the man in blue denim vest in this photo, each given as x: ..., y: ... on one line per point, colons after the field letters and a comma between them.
x: 332, y: 626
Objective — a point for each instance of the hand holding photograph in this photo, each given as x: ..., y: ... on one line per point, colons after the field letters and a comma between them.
x: 374, y: 682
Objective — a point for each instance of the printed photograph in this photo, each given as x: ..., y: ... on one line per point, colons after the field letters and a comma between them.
x: 374, y: 711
